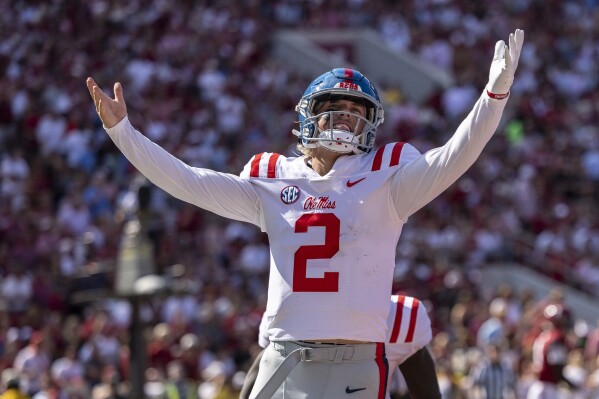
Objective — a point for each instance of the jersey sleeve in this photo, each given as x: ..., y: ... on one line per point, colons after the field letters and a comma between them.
x: 222, y: 193
x: 265, y: 165
x: 393, y: 154
x: 409, y: 328
x: 424, y: 331
x: 418, y: 182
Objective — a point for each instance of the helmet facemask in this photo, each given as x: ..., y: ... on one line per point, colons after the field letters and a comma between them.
x: 322, y: 127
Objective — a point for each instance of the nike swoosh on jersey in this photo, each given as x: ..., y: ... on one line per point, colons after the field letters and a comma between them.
x: 349, y: 390
x: 353, y: 183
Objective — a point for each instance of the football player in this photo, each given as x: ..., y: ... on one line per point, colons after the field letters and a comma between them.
x: 550, y: 354
x: 333, y: 215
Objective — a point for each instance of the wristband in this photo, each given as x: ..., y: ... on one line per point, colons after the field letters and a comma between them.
x: 497, y: 96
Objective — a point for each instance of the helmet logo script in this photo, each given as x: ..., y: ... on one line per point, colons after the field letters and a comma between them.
x: 348, y: 85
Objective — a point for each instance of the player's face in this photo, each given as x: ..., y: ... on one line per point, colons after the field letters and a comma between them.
x: 344, y: 118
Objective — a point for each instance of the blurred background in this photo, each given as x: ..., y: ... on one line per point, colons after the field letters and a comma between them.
x: 215, y: 82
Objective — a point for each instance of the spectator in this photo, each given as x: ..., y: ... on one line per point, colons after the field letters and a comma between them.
x: 550, y: 355
x: 591, y: 349
x: 14, y: 172
x: 177, y: 385
x: 216, y: 385
x: 11, y: 382
x: 17, y: 285
x: 492, y: 331
x: 32, y: 363
x: 68, y: 371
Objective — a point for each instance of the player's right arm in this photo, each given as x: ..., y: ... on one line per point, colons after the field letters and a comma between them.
x: 250, y: 377
x: 224, y: 194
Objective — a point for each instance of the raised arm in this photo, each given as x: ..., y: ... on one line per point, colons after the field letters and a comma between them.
x: 111, y: 111
x: 224, y: 194
x: 422, y: 180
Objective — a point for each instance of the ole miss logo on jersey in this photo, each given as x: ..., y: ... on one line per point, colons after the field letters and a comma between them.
x: 290, y: 194
x: 312, y: 203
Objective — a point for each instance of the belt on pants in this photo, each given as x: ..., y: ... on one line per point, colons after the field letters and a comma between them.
x: 297, y: 351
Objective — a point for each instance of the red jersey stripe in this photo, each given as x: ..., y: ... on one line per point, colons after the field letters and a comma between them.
x: 396, y: 153
x: 383, y: 364
x: 272, y: 165
x: 413, y: 317
x: 397, y: 321
x: 378, y: 159
x: 255, y: 169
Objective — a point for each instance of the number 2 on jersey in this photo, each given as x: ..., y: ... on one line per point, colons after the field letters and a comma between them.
x: 330, y: 281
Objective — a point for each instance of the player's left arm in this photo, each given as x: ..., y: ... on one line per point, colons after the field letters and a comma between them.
x: 421, y: 376
x: 422, y: 180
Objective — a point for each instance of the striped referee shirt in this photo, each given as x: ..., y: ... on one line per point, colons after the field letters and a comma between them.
x: 495, y: 379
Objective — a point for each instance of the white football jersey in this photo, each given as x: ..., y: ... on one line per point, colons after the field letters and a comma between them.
x: 332, y: 238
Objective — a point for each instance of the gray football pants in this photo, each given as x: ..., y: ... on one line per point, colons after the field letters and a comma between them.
x: 301, y: 370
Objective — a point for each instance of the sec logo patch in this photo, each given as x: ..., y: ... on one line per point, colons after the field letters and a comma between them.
x: 290, y: 194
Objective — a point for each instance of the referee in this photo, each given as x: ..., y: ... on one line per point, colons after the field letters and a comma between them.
x: 491, y: 378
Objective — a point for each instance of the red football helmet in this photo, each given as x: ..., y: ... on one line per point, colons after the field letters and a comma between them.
x: 556, y: 314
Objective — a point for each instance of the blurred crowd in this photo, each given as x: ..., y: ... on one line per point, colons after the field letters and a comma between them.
x: 199, y: 81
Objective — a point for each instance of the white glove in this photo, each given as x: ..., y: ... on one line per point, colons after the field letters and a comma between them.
x: 503, y: 67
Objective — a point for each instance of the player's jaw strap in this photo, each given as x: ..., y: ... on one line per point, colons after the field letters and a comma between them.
x: 327, y: 354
